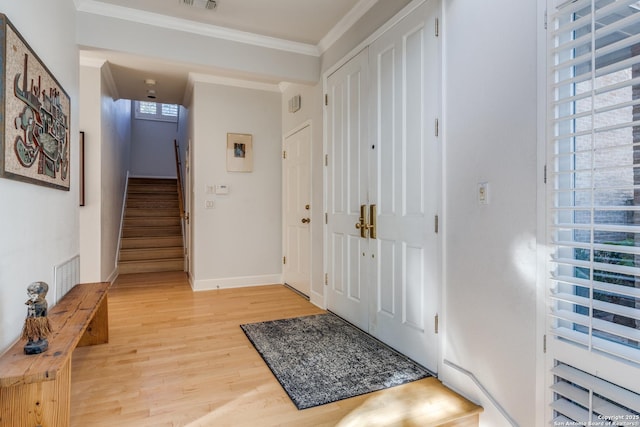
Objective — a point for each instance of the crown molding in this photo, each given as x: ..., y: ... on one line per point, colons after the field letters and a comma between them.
x: 90, y: 61
x: 224, y: 81
x: 135, y: 15
x: 345, y: 24
x: 105, y: 69
x: 230, y: 81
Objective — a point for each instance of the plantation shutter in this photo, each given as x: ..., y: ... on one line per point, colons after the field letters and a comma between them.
x: 594, y: 200
x: 596, y: 176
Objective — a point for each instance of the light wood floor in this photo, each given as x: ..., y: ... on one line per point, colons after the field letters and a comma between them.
x: 178, y: 358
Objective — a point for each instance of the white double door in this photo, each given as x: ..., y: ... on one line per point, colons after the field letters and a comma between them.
x: 384, y: 162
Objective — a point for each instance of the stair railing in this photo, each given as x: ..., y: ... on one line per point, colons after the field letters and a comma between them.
x: 183, y: 216
x: 179, y: 174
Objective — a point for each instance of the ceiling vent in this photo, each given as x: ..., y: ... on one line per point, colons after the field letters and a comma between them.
x: 206, y: 4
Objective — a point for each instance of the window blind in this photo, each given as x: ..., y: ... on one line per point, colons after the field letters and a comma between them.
x: 583, y: 399
x: 594, y: 178
x: 156, y: 111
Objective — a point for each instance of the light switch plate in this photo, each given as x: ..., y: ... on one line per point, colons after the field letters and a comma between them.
x: 483, y: 193
x: 222, y: 189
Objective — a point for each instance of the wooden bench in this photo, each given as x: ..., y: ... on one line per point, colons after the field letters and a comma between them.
x: 35, y: 390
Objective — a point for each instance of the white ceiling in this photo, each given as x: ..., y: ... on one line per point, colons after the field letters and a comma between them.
x: 305, y: 25
x: 304, y: 21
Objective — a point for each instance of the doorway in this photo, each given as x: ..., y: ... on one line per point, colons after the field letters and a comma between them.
x: 383, y: 187
x: 296, y: 167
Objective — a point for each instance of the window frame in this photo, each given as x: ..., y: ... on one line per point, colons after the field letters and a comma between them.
x: 159, y: 116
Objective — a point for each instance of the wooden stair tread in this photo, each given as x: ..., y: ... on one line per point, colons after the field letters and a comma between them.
x: 151, y: 266
x: 150, y: 212
x: 151, y: 253
x: 150, y: 242
x: 155, y: 221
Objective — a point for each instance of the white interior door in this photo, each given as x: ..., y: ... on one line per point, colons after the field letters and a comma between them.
x: 405, y: 185
x: 297, y: 209
x: 347, y: 175
x: 384, y: 152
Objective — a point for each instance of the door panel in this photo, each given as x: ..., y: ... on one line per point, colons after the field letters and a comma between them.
x: 405, y: 184
x: 297, y: 198
x: 347, y: 128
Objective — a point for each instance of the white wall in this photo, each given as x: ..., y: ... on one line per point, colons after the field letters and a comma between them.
x: 90, y: 123
x: 239, y: 241
x: 107, y: 127
x: 39, y: 225
x: 185, y: 47
x: 490, y: 259
x: 114, y: 164
x: 152, y: 149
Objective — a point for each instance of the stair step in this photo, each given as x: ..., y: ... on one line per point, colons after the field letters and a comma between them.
x: 145, y: 266
x: 152, y: 195
x: 155, y: 221
x: 152, y: 189
x: 149, y: 212
x: 140, y: 254
x: 151, y: 231
x: 152, y: 204
x: 152, y: 181
x: 150, y: 242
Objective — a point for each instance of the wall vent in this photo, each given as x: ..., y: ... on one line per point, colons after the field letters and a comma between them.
x: 66, y: 276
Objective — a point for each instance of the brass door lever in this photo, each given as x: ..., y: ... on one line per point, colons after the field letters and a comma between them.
x: 362, y: 225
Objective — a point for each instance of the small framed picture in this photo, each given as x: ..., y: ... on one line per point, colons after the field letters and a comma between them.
x: 239, y: 152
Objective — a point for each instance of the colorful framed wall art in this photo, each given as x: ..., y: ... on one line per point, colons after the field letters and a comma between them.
x: 34, y: 116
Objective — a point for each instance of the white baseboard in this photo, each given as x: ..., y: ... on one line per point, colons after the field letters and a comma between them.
x: 317, y: 300
x: 113, y: 276
x: 235, y: 282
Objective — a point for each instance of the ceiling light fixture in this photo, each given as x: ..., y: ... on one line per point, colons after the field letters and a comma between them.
x: 635, y: 5
x: 149, y: 82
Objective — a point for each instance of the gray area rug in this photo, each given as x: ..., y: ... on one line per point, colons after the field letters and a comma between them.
x: 321, y: 358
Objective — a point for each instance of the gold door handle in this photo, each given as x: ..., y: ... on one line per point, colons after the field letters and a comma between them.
x: 372, y: 227
x: 306, y: 220
x: 373, y: 223
x: 362, y: 224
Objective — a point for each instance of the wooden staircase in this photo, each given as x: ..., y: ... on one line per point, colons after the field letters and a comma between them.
x: 151, y: 238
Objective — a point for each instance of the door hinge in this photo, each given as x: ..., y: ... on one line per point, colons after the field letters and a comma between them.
x: 436, y: 323
x: 284, y: 259
x: 326, y: 279
x: 437, y: 27
x: 326, y: 99
x: 545, y: 174
x: 326, y: 160
x: 436, y: 224
x: 437, y: 131
x: 545, y: 20
x: 544, y: 343
x: 284, y: 154
x: 326, y: 218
